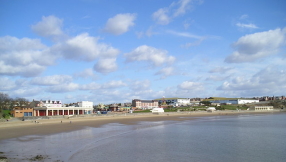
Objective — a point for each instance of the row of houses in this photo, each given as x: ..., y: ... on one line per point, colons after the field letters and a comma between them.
x: 149, y: 104
x: 268, y: 98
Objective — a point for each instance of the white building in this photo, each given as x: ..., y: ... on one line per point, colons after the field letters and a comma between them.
x: 175, y: 101
x: 50, y: 103
x: 235, y: 101
x: 86, y: 104
x: 257, y: 108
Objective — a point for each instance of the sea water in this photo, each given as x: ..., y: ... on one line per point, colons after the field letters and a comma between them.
x: 259, y: 137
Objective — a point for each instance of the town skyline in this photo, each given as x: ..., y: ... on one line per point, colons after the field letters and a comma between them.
x: 93, y: 50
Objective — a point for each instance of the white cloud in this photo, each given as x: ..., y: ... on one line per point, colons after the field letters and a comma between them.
x: 165, y: 72
x: 120, y: 23
x: 106, y: 65
x: 267, y: 81
x: 25, y: 92
x: 161, y: 16
x: 189, y: 88
x: 63, y: 88
x: 25, y: 57
x: 220, y: 69
x: 84, y: 47
x: 183, y: 7
x: 85, y: 74
x: 245, y: 16
x: 188, y: 85
x: 184, y: 34
x: 113, y: 84
x: 6, y: 84
x: 90, y: 86
x: 249, y: 26
x: 258, y: 45
x: 140, y: 85
x: 50, y: 27
x: 148, y: 33
x: 165, y: 15
x: 191, y: 44
x: 216, y: 78
x: 153, y: 55
x: 51, y: 80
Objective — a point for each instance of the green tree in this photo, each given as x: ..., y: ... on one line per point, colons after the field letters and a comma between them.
x: 207, y: 103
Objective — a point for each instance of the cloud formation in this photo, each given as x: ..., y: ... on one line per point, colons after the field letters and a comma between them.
x: 164, y: 16
x: 165, y: 72
x: 156, y: 57
x: 258, y: 45
x: 250, y: 26
x: 85, y: 48
x: 50, y: 27
x: 106, y: 65
x: 51, y: 80
x: 258, y: 83
x: 120, y: 23
x: 69, y: 87
x: 161, y: 16
x: 24, y: 57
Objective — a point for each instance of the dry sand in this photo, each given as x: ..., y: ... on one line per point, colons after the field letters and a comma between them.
x: 16, y: 129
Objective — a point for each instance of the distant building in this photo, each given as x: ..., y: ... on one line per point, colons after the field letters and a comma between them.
x: 261, y: 108
x: 144, y: 104
x: 85, y: 104
x: 175, y: 101
x: 233, y: 101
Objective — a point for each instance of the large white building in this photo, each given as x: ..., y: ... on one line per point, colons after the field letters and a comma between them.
x: 85, y: 104
x: 235, y: 101
x: 55, y: 108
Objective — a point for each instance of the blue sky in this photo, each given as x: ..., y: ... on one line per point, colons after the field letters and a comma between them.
x: 116, y: 51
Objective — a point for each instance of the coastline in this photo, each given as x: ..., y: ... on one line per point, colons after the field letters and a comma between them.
x: 15, y: 129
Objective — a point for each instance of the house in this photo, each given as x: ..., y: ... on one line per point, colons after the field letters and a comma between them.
x: 22, y: 111
x: 144, y: 104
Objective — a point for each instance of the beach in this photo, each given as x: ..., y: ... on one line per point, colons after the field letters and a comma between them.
x: 113, y: 137
x: 16, y: 129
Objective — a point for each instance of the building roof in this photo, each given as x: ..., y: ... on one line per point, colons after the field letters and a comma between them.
x: 174, y: 98
x: 223, y: 98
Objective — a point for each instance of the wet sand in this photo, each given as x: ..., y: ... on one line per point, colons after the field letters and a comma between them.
x: 15, y: 129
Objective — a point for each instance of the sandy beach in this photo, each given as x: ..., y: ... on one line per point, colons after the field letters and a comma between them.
x: 14, y: 129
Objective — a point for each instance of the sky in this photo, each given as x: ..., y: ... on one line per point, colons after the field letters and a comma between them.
x: 113, y: 51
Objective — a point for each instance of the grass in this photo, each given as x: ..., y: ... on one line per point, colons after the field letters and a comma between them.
x: 5, y: 114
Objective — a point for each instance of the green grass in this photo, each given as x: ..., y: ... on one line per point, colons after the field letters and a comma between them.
x: 142, y: 111
x: 234, y: 107
x: 6, y: 114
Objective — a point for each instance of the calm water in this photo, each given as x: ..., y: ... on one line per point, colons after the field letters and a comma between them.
x: 233, y: 138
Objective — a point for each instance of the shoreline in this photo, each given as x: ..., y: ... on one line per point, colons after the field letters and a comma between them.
x: 16, y: 129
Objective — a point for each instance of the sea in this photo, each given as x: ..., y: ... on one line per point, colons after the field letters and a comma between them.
x: 237, y: 138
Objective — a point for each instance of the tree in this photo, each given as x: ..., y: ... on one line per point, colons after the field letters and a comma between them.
x: 207, y: 103
x: 22, y: 101
x: 4, y: 101
x: 100, y: 106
